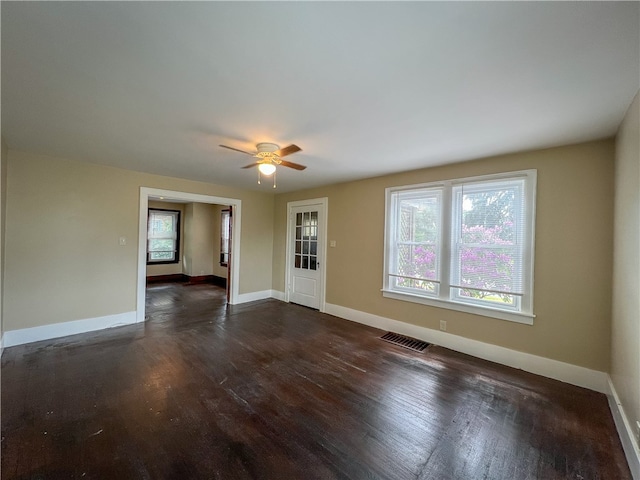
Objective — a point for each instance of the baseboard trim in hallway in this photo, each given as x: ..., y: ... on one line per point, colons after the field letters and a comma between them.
x: 57, y: 330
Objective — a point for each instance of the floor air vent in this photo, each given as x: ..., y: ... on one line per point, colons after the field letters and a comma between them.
x: 406, y: 342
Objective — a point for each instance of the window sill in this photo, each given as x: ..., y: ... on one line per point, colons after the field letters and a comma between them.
x: 525, y: 318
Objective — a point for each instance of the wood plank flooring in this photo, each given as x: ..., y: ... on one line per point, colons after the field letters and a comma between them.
x: 269, y: 390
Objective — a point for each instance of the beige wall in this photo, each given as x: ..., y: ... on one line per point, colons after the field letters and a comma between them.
x: 625, y: 345
x: 169, y: 268
x: 64, y: 219
x: 572, y: 297
x: 199, y: 229
x: 3, y: 217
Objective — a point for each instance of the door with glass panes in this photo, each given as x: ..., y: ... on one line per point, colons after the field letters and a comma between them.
x: 305, y: 262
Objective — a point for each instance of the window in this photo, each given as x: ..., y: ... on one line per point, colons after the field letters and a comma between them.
x: 306, y: 248
x: 163, y: 236
x: 464, y: 244
x: 225, y: 228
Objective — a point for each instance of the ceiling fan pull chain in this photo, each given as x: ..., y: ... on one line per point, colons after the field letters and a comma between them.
x: 274, y: 179
x: 258, y: 176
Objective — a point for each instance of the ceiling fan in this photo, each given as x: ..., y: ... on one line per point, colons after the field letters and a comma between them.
x: 269, y: 156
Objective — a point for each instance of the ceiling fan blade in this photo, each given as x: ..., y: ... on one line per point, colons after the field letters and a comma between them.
x: 251, y: 165
x: 283, y: 152
x: 237, y: 150
x: 296, y: 166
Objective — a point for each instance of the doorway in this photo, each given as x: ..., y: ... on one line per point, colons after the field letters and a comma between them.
x: 306, y: 252
x: 168, y: 195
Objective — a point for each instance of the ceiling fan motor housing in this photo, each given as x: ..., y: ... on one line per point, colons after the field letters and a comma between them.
x: 265, y: 152
x: 267, y: 147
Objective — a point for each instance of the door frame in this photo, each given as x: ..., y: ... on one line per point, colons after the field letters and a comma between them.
x: 324, y: 203
x: 169, y: 195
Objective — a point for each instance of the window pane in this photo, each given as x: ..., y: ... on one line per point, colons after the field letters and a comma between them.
x: 430, y: 288
x: 225, y: 238
x: 479, y: 296
x: 162, y: 225
x: 420, y: 219
x: 161, y: 256
x: 162, y: 235
x: 158, y: 245
x: 417, y: 261
x: 490, y: 219
x: 487, y: 268
x: 416, y: 248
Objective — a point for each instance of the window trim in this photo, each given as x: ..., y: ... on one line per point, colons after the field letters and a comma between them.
x: 177, y: 254
x: 444, y: 298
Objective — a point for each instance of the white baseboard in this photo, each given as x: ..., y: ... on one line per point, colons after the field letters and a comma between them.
x: 56, y: 330
x: 252, y: 296
x: 565, y: 372
x: 625, y: 430
x: 278, y: 295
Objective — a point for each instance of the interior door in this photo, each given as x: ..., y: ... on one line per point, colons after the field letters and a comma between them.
x: 306, y: 261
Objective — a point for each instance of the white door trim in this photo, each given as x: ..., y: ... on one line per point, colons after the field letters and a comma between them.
x: 169, y: 195
x: 324, y: 202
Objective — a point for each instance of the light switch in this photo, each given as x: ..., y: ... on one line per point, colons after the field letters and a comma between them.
x: 122, y: 241
x: 332, y: 243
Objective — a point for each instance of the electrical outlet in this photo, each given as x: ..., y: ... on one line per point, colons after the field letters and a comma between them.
x: 443, y: 325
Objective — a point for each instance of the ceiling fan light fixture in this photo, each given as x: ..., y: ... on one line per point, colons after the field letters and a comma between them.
x: 267, y: 169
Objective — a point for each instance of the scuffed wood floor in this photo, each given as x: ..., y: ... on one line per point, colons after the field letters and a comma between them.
x: 268, y: 390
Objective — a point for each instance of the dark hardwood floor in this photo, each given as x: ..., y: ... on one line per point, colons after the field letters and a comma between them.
x: 269, y: 390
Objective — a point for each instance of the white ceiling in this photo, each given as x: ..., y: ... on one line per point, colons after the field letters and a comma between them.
x: 363, y: 88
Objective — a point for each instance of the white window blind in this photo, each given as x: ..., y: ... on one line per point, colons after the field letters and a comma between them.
x: 464, y: 244
x: 487, y: 242
x: 162, y: 236
x: 416, y: 246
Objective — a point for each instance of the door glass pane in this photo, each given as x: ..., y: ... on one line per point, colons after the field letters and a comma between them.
x: 306, y: 240
x: 306, y: 231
